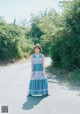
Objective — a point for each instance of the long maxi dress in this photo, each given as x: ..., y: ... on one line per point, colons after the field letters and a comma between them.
x: 38, y: 83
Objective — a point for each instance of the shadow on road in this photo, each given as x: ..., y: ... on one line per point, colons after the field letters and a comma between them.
x: 32, y: 101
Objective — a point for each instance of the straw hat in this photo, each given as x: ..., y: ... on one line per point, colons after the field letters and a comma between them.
x: 38, y: 46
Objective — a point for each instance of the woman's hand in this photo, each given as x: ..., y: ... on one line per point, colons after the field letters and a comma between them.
x: 43, y: 73
x: 32, y: 73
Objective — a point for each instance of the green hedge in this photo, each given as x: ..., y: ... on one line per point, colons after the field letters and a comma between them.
x: 13, y: 43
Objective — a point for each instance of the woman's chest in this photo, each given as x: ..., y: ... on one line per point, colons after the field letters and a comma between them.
x: 37, y: 60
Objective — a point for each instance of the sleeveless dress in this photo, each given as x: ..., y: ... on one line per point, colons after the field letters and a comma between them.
x: 38, y: 83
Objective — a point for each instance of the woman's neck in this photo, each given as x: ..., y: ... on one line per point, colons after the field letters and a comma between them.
x: 37, y: 53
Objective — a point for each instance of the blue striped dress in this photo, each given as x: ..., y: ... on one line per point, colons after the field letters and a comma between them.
x: 38, y: 83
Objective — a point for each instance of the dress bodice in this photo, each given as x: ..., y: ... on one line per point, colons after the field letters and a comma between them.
x: 37, y: 59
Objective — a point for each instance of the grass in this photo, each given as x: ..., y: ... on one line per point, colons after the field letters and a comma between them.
x: 66, y: 76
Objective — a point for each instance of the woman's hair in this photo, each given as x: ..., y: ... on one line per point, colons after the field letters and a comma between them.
x: 38, y: 46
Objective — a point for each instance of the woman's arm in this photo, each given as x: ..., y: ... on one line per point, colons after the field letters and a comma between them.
x: 31, y: 64
x: 43, y: 59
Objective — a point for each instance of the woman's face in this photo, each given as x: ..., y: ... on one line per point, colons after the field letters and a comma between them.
x: 37, y: 50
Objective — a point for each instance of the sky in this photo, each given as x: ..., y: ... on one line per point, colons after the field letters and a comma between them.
x: 22, y: 9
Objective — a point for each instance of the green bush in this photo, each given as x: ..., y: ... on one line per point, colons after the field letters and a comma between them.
x: 13, y: 43
x: 66, y: 43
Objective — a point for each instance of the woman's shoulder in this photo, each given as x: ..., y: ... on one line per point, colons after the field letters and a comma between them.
x: 32, y: 56
x: 42, y: 54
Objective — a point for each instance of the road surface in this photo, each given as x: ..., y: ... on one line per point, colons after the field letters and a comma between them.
x: 14, y: 82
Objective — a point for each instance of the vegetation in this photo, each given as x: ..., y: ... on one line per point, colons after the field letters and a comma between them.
x: 59, y: 35
x: 66, y: 42
x: 69, y: 78
x: 13, y: 43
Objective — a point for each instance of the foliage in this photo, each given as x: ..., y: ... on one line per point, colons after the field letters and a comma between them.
x: 66, y: 43
x: 13, y: 43
x: 59, y: 35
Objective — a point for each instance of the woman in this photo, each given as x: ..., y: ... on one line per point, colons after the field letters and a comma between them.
x: 38, y: 83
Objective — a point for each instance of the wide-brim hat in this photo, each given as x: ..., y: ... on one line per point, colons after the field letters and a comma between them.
x: 38, y: 46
